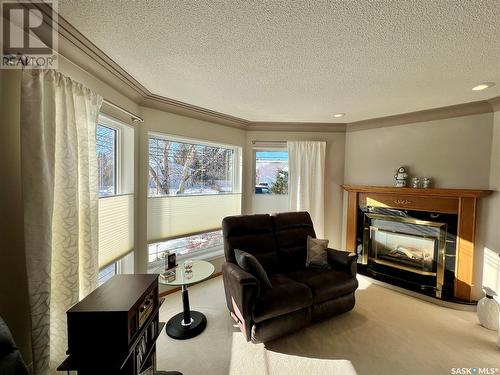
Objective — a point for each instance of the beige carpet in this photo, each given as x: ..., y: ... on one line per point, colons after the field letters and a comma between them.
x: 386, y: 333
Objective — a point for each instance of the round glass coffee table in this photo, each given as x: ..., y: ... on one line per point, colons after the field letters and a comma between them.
x: 188, y: 323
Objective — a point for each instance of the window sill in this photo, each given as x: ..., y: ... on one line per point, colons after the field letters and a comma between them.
x: 205, y: 254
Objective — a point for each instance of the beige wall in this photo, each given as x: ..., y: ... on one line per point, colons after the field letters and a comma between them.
x: 455, y: 152
x: 334, y: 175
x: 489, y: 233
x: 493, y: 202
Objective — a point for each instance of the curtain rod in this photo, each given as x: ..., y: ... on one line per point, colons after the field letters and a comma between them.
x: 134, y: 117
x: 254, y: 142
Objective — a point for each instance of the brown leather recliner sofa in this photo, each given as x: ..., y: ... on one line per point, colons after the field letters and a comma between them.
x: 11, y: 362
x: 299, y: 295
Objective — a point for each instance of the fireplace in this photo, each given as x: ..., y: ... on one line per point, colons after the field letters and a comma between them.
x: 407, y: 252
x: 409, y: 247
x: 420, y: 239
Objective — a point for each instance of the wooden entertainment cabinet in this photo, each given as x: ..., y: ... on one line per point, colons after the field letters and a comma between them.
x: 114, y: 329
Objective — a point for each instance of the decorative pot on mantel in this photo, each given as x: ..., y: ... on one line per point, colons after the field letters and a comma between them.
x: 400, y: 177
x: 488, y: 310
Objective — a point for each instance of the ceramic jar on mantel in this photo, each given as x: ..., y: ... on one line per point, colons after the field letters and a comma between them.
x: 400, y: 177
x: 488, y: 310
x: 426, y: 182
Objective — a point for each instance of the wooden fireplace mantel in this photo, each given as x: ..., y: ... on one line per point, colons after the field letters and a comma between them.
x: 433, y: 192
x: 462, y: 202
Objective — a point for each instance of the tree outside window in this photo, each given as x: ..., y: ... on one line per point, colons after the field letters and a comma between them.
x: 106, y: 160
x: 178, y: 168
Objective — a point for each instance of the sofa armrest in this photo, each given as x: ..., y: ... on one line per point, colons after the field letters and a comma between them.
x: 343, y: 260
x: 11, y: 361
x: 241, y: 289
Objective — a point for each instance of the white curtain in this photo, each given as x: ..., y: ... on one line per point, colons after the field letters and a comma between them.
x: 306, y: 181
x: 59, y: 173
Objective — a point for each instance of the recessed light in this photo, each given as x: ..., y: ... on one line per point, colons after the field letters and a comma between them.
x: 483, y: 86
x: 337, y: 115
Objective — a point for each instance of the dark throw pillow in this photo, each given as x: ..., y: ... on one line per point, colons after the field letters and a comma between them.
x: 317, y: 256
x: 250, y: 264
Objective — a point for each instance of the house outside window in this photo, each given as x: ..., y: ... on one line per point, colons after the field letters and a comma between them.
x: 271, y: 172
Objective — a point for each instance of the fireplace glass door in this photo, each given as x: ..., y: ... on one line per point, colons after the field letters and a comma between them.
x: 405, y: 251
x: 405, y: 243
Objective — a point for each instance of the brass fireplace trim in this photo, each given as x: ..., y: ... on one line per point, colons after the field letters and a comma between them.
x: 393, y: 264
x: 425, y: 273
x: 405, y: 220
x: 440, y: 252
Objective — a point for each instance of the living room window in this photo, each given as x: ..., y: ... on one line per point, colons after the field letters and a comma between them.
x: 198, y: 245
x: 107, y: 273
x: 106, y: 159
x: 115, y: 163
x: 271, y: 171
x: 270, y: 177
x: 122, y: 265
x: 193, y: 185
x: 189, y: 168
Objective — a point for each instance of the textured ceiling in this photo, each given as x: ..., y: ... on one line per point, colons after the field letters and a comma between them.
x: 301, y: 60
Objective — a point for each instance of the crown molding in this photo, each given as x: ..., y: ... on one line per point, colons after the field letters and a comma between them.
x: 79, y: 50
x: 84, y: 46
x: 495, y: 103
x: 297, y: 126
x: 459, y: 110
x: 170, y: 105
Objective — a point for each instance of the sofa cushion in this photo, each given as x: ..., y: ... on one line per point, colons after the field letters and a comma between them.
x: 253, y: 234
x: 325, y: 284
x: 250, y: 264
x: 316, y: 253
x: 291, y: 230
x: 284, y: 297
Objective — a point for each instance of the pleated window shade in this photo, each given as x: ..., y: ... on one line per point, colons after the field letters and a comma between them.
x: 170, y: 217
x: 116, y: 228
